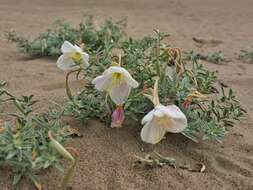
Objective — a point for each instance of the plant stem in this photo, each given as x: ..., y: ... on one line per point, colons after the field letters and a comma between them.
x: 68, y: 90
x: 158, y: 68
x: 119, y: 60
x: 68, y: 174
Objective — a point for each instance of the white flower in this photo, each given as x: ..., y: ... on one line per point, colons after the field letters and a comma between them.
x: 72, y: 57
x: 118, y: 83
x: 161, y: 119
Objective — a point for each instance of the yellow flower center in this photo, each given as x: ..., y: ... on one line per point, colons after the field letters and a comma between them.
x: 117, y: 75
x: 163, y: 121
x: 117, y: 78
x: 76, y: 56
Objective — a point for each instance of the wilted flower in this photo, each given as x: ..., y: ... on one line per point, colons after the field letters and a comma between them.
x: 195, y: 94
x: 72, y: 57
x: 161, y: 119
x: 117, y: 82
x: 118, y: 117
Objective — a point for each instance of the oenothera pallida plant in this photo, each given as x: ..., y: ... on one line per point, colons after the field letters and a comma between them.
x: 161, y: 119
x: 73, y: 59
x: 117, y: 82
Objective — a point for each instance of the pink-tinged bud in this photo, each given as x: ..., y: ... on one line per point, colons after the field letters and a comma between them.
x: 118, y: 117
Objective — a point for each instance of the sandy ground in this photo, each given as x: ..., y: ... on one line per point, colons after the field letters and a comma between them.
x: 107, y: 155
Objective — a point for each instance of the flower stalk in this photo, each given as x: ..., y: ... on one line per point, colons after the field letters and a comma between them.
x: 68, y: 90
x: 63, y: 152
x: 158, y: 68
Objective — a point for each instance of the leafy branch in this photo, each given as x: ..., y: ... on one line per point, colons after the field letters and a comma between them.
x: 24, y: 144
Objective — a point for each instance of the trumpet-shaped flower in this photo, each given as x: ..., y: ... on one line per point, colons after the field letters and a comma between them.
x: 72, y: 57
x: 161, y: 119
x: 117, y: 82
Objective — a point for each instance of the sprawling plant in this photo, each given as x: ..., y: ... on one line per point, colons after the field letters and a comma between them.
x: 184, y: 83
x: 27, y: 144
x: 213, y: 57
x: 247, y: 55
x: 49, y: 43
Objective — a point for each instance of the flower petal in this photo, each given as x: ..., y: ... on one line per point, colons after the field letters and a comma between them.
x: 178, y: 119
x: 148, y: 117
x: 158, y: 113
x: 65, y: 63
x: 119, y: 92
x: 102, y: 82
x: 152, y: 132
x: 78, y: 49
x: 67, y: 47
x: 85, y: 59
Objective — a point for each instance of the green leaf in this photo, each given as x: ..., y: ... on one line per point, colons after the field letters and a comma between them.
x: 16, y: 179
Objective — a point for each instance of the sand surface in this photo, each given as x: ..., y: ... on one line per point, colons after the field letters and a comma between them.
x: 107, y: 155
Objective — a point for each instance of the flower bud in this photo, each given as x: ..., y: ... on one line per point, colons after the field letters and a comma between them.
x: 118, y: 117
